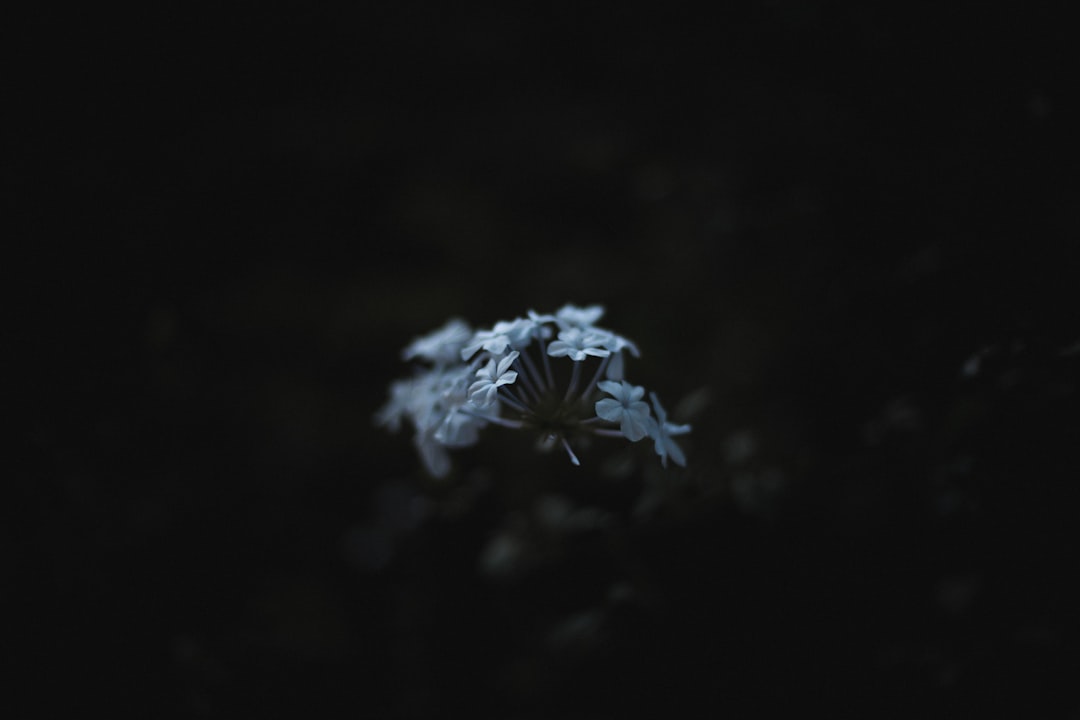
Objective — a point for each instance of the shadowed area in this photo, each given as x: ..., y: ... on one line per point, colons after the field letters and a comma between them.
x: 844, y: 240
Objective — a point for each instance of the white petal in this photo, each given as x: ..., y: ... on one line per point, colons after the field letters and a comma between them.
x: 634, y: 427
x: 676, y: 453
x: 615, y: 367
x: 488, y: 371
x: 497, y: 345
x: 558, y: 349
x: 506, y: 362
x: 608, y: 409
x: 672, y: 429
x: 611, y: 387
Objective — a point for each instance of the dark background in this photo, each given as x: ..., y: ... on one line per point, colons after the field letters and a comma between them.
x: 811, y: 217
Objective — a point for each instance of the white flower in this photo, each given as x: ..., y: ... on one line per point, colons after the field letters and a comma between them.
x: 661, y: 431
x: 516, y: 334
x: 538, y: 318
x: 494, y: 342
x: 494, y: 375
x: 455, y: 394
x: 627, y: 408
x: 441, y: 346
x: 581, y: 321
x: 521, y: 331
x: 432, y: 401
x: 577, y: 343
x: 617, y: 343
x: 573, y: 316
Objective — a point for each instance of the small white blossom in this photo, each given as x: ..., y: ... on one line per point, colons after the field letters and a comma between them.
x: 521, y: 331
x: 617, y: 343
x: 573, y: 316
x: 627, y: 408
x: 577, y: 344
x: 432, y: 401
x: 489, y: 340
x: 516, y: 334
x: 441, y: 346
x: 539, y: 319
x: 661, y: 431
x: 494, y: 375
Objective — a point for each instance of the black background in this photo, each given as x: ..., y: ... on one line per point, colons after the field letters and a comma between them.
x: 811, y: 215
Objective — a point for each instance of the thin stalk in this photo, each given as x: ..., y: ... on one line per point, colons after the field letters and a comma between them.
x: 596, y: 376
x: 607, y: 432
x: 507, y: 399
x: 533, y: 372
x: 547, y: 364
x: 573, y: 457
x: 526, y: 378
x: 575, y: 377
x: 519, y: 395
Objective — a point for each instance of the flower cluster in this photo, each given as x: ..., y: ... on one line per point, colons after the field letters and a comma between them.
x: 525, y: 374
